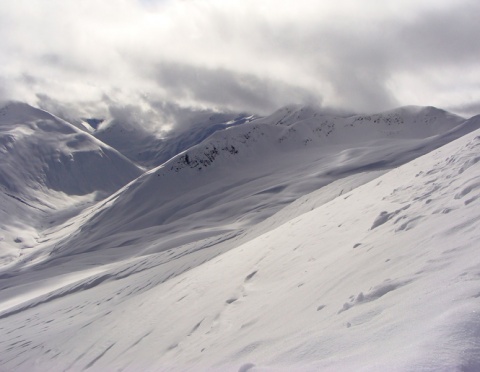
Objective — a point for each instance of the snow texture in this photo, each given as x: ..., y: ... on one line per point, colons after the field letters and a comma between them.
x: 295, y: 242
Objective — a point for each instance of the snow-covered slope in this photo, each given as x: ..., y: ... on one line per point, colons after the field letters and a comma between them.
x: 47, y: 166
x: 240, y: 176
x: 382, y: 277
x: 42, y: 151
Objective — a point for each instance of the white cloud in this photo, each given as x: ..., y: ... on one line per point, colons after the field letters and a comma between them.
x: 241, y: 55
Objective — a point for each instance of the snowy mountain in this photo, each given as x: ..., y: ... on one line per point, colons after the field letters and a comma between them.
x: 300, y: 241
x: 238, y: 177
x: 48, y: 165
x: 149, y: 150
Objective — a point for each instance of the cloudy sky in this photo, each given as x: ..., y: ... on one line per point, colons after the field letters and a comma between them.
x: 91, y: 57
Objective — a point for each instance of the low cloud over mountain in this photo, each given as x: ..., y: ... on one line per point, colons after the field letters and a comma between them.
x: 238, y: 55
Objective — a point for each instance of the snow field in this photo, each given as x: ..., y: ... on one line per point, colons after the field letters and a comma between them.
x: 383, y: 277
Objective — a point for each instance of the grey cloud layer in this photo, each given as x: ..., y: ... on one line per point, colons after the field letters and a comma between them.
x: 240, y: 55
x: 226, y: 88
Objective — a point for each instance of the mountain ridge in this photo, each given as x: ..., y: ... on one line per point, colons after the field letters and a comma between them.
x: 49, y: 168
x: 240, y: 176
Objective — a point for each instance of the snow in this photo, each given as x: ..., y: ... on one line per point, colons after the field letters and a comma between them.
x: 237, y: 178
x: 148, y: 148
x: 48, y: 170
x: 275, y: 255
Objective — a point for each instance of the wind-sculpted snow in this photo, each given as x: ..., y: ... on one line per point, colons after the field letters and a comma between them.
x: 322, y: 290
